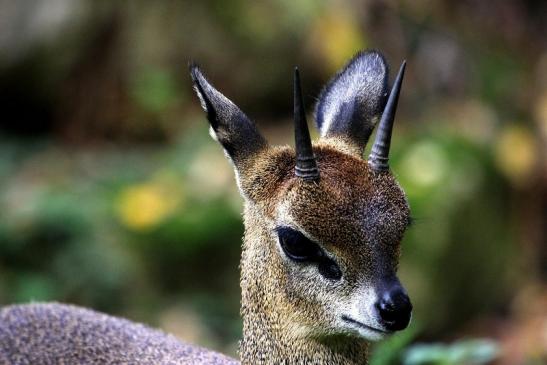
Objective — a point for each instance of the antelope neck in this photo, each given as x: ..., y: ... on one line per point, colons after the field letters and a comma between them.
x: 266, y: 340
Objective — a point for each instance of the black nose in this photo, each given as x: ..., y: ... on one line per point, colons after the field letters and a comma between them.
x: 395, y: 309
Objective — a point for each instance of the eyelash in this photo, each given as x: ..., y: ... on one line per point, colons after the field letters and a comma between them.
x: 299, y: 248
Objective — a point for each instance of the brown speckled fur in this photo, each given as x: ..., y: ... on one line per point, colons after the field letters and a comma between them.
x: 355, y: 213
x: 57, y: 334
x: 291, y: 313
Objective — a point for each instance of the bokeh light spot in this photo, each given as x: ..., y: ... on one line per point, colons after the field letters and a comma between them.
x: 425, y: 154
x: 143, y: 206
x: 516, y: 154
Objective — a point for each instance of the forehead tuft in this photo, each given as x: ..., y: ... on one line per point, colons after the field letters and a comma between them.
x: 347, y: 190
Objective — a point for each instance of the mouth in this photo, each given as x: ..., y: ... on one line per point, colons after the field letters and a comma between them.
x: 364, y: 326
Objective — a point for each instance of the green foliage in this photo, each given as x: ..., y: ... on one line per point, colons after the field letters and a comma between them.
x: 90, y: 215
x: 390, y: 351
x: 155, y: 90
x: 475, y: 351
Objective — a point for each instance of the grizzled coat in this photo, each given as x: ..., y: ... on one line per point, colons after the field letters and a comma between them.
x: 294, y: 311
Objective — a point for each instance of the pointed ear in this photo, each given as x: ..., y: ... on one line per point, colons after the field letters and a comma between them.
x: 352, y: 102
x: 229, y: 125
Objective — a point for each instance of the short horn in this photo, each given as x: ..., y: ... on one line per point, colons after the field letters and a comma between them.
x: 306, y: 166
x: 379, y: 154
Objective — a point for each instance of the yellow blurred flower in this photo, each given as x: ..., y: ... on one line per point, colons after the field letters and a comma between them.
x: 516, y: 154
x: 337, y: 37
x: 141, y: 207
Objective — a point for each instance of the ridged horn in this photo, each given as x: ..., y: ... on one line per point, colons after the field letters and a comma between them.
x: 306, y: 166
x: 379, y: 154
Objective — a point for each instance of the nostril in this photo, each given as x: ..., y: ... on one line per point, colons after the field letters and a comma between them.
x: 395, y: 310
x: 387, y: 309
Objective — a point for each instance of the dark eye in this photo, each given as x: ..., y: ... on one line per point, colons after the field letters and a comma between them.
x: 299, y: 248
x: 296, y: 246
x: 329, y: 269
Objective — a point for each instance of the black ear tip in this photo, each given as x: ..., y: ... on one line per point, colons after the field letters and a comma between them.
x: 195, y: 71
x: 200, y: 87
x: 192, y: 65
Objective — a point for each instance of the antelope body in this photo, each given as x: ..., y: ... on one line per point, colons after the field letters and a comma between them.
x: 322, y: 233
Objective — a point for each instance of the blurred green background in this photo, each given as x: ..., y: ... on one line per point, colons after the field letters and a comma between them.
x: 113, y: 195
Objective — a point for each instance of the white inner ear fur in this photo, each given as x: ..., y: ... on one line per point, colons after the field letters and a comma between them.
x: 348, y: 87
x: 201, y: 99
x: 213, y: 134
x: 345, y: 95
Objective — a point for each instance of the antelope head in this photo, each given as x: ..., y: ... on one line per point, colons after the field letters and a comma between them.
x: 323, y: 223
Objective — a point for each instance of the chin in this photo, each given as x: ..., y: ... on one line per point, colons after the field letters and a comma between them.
x: 371, y: 335
x: 369, y: 332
